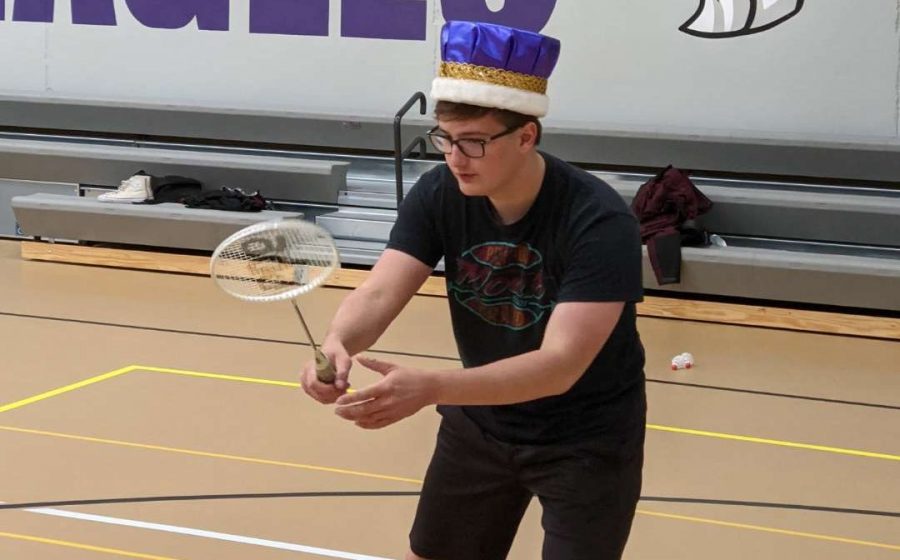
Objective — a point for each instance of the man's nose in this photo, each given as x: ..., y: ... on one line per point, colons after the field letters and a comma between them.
x: 456, y: 155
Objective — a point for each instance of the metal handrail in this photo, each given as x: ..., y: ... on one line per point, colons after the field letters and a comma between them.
x: 418, y: 142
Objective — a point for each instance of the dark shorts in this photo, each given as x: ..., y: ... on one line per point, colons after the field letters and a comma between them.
x: 477, y: 488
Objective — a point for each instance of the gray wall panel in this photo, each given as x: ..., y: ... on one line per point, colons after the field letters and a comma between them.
x: 167, y: 225
x: 10, y: 188
x: 786, y: 276
x: 276, y: 177
x: 849, y: 158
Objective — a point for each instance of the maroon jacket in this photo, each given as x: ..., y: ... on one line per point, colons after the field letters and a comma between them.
x: 662, y: 205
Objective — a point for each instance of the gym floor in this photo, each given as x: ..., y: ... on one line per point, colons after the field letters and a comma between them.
x: 148, y: 415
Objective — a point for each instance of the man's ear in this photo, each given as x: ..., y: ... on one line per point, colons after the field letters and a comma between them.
x: 529, y: 136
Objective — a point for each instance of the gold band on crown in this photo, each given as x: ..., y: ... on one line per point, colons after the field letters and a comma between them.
x: 494, y: 76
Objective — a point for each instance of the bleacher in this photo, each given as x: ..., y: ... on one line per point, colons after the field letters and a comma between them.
x: 786, y: 242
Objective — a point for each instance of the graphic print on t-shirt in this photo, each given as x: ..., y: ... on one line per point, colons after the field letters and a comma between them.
x: 503, y: 283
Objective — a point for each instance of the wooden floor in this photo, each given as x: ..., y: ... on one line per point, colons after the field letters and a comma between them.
x: 147, y: 415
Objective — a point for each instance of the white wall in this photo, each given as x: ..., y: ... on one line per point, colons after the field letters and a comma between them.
x: 830, y: 71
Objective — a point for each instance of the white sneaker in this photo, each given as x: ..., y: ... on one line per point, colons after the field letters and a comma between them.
x: 134, y: 189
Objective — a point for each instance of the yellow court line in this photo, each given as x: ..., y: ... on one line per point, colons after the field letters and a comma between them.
x: 673, y: 429
x: 658, y: 427
x: 719, y: 435
x: 768, y: 529
x: 66, y: 389
x: 210, y: 454
x: 84, y: 547
x: 214, y: 376
x: 419, y: 482
x: 221, y: 376
x: 777, y: 442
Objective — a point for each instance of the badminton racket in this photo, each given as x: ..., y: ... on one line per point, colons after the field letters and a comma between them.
x: 276, y: 261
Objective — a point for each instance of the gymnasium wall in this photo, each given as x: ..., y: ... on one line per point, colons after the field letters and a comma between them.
x: 793, y: 74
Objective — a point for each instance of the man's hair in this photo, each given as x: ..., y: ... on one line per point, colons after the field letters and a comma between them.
x: 450, y: 111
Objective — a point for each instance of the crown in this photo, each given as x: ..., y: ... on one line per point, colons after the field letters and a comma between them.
x: 493, y: 65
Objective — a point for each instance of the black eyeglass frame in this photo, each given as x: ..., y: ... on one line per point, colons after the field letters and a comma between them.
x: 433, y: 133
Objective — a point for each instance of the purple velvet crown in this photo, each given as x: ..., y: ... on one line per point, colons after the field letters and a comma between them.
x: 495, y: 66
x: 497, y: 46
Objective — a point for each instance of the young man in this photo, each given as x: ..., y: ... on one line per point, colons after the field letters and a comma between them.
x: 543, y: 269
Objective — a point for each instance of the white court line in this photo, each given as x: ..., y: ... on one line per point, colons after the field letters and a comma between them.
x: 204, y: 534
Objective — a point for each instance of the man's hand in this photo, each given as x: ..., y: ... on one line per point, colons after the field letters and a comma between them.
x: 327, y: 393
x: 401, y: 393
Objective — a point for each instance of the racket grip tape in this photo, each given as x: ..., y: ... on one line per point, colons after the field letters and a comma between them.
x: 324, y: 369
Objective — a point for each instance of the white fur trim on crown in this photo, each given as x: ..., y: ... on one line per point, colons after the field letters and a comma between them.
x: 484, y: 94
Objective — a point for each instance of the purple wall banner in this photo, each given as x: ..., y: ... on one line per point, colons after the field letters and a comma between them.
x: 88, y: 12
x: 532, y: 15
x: 212, y: 15
x: 384, y: 19
x: 93, y: 12
x: 372, y: 19
x: 33, y: 10
x: 289, y: 17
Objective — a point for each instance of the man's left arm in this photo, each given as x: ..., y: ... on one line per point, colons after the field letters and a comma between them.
x: 575, y: 334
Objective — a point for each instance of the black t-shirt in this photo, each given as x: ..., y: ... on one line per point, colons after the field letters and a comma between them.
x: 579, y: 242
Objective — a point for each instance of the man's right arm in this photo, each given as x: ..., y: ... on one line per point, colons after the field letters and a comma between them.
x: 364, y: 315
x: 368, y: 311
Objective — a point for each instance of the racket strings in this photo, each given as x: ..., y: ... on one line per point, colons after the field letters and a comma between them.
x: 275, y: 264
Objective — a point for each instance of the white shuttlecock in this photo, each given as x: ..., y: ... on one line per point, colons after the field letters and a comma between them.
x: 684, y: 360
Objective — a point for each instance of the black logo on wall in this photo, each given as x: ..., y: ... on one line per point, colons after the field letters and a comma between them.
x: 721, y: 19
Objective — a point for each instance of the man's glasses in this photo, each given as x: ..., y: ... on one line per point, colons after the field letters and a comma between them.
x: 470, y: 147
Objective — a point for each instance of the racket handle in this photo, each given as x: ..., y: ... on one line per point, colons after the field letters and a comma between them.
x: 324, y: 369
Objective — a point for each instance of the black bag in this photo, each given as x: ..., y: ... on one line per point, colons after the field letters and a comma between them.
x: 227, y: 199
x: 173, y: 188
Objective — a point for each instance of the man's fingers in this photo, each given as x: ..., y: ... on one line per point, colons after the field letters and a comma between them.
x: 362, y: 395
x: 376, y: 365
x: 342, y: 366
x: 325, y: 393
x: 375, y: 423
x: 359, y: 410
x: 368, y: 418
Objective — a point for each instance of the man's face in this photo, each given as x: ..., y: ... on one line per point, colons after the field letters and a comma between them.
x: 503, y: 156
